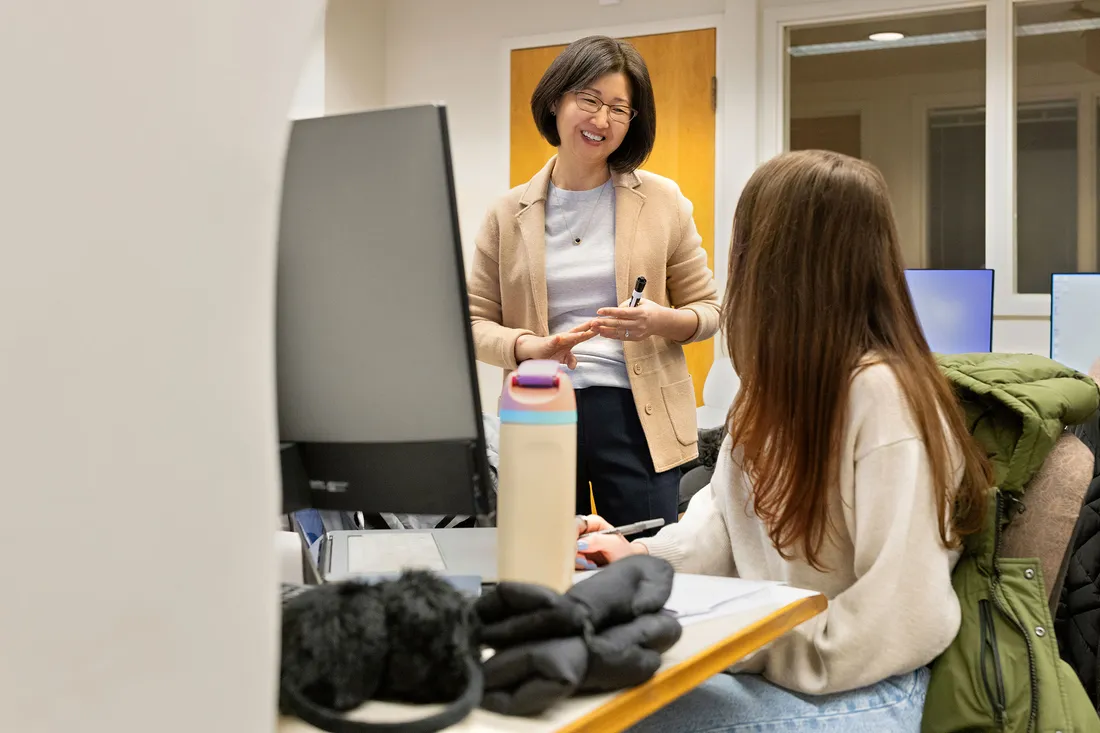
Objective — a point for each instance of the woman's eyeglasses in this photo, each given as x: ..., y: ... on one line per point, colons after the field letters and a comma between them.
x: 618, y: 112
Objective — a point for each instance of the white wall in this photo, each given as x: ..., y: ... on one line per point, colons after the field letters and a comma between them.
x: 309, y: 95
x: 142, y: 165
x: 345, y: 69
x: 1022, y: 335
x: 355, y: 55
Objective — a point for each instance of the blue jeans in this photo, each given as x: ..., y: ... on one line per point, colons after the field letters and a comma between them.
x: 749, y: 704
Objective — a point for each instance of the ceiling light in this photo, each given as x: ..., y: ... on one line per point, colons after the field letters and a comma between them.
x: 936, y: 39
x: 889, y: 36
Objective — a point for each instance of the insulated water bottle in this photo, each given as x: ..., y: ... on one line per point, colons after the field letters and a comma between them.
x: 536, y: 498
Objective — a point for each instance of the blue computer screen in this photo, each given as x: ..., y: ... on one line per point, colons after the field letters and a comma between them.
x: 1075, y: 319
x: 955, y: 308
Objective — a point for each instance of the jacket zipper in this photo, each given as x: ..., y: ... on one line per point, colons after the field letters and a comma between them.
x: 1010, y: 614
x: 995, y: 691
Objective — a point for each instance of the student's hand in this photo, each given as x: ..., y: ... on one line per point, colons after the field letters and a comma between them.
x: 558, y: 347
x: 600, y: 549
x: 591, y: 523
x: 586, y: 524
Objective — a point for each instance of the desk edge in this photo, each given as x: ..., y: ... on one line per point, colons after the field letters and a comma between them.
x: 633, y: 705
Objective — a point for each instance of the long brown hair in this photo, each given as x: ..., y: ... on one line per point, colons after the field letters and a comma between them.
x: 816, y: 285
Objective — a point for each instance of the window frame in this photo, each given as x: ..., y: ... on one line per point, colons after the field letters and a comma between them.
x: 1000, y: 135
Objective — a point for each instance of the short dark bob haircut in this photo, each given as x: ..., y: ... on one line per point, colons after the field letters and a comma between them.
x: 583, y: 62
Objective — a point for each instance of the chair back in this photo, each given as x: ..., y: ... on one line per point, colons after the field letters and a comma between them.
x: 1053, y: 502
x: 719, y: 389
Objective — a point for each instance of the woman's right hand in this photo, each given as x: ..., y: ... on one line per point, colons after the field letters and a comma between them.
x: 597, y: 550
x: 558, y: 347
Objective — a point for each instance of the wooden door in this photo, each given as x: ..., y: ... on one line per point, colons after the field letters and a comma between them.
x: 682, y: 67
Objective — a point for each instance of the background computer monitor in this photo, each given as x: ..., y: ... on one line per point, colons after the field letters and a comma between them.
x: 377, y: 385
x: 955, y: 308
x: 1075, y: 319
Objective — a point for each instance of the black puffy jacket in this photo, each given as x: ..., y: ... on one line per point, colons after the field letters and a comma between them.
x: 1077, y: 623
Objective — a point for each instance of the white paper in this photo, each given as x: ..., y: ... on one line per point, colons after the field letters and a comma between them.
x: 695, y: 595
x: 699, y: 597
x: 764, y: 596
x: 392, y: 552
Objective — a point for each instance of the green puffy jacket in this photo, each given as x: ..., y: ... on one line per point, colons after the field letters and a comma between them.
x: 1003, y: 672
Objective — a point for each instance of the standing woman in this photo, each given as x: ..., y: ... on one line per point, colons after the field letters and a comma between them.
x: 556, y: 254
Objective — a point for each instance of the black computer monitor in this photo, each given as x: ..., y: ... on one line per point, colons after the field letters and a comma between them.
x: 379, y: 409
x: 955, y: 309
x: 1075, y: 319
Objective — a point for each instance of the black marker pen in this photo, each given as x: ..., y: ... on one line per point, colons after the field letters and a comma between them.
x: 639, y: 286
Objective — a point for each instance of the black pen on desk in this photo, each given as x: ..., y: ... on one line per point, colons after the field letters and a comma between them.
x: 639, y: 286
x: 628, y: 529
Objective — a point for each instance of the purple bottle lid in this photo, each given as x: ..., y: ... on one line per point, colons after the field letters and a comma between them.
x: 536, y: 373
x: 538, y: 393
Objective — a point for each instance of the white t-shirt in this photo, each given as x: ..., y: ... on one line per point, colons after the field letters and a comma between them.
x: 580, y: 278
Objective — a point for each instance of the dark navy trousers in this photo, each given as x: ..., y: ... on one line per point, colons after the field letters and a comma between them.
x: 612, y: 455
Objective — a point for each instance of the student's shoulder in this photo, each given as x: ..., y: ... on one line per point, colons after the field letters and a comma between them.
x: 875, y: 379
x: 879, y: 412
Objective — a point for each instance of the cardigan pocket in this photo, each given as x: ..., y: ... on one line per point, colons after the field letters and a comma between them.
x: 679, y: 400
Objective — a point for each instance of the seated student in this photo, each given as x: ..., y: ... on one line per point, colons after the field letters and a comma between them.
x: 848, y: 468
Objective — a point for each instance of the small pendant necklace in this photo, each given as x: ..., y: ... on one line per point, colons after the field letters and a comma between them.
x: 577, y: 240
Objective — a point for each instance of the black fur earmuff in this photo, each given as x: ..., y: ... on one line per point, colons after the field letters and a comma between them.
x: 412, y: 640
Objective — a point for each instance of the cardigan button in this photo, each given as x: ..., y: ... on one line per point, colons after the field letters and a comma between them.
x: 637, y: 368
x: 649, y: 409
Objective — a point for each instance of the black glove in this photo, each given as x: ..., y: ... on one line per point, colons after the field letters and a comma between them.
x: 629, y: 654
x: 514, y: 613
x: 606, y: 633
x: 624, y: 590
x: 529, y: 678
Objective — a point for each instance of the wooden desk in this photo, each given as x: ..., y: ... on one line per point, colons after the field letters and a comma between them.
x: 705, y: 649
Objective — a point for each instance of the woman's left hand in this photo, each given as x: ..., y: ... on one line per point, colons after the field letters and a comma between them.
x: 632, y: 324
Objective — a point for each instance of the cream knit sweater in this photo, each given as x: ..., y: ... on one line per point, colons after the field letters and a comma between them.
x: 888, y: 580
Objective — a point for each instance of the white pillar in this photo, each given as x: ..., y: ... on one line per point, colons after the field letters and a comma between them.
x: 141, y: 149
